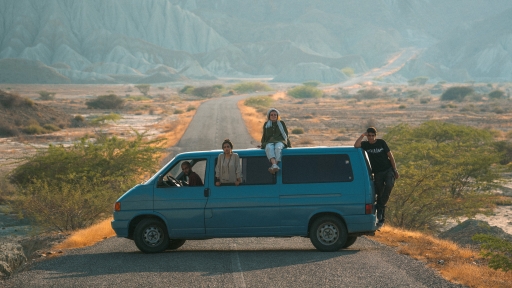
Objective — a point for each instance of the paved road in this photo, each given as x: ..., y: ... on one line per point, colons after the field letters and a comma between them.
x: 244, y: 262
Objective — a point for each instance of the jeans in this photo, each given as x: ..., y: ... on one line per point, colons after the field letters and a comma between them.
x: 273, y: 150
x: 384, y: 182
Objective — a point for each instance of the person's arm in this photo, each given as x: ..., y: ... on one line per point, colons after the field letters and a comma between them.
x: 357, y: 144
x: 263, y: 137
x: 393, y: 164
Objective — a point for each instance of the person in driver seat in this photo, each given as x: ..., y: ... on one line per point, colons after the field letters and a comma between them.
x: 193, y: 178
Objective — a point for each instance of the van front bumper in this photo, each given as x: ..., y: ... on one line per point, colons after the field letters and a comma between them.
x: 120, y: 227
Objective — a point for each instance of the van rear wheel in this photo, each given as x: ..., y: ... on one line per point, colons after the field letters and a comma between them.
x: 328, y: 234
x: 151, y: 236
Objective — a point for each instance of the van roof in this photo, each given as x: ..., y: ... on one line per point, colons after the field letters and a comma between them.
x: 287, y: 151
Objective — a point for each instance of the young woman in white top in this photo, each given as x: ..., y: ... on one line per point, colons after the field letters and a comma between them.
x: 228, y: 169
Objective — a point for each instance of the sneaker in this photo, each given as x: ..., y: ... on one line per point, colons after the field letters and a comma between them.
x: 380, y: 224
x: 273, y: 169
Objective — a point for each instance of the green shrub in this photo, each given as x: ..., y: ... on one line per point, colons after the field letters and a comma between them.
x: 298, y: 131
x: 497, y: 94
x: 190, y: 108
x: 259, y: 101
x: 9, y: 100
x: 425, y: 100
x: 33, y: 129
x: 178, y: 111
x: 498, y: 251
x: 187, y: 89
x: 402, y: 106
x: 457, y: 93
x: 51, y: 127
x: 45, y: 95
x: 111, y: 101
x: 371, y: 93
x: 143, y: 88
x: 305, y: 92
x: 7, y: 130
x: 68, y: 188
x: 207, y: 91
x: 249, y: 87
x: 104, y: 118
x: 138, y: 98
x: 311, y: 83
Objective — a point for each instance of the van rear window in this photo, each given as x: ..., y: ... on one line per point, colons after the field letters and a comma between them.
x: 317, y: 169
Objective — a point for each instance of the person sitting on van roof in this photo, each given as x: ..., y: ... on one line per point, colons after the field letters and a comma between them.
x: 274, y: 139
x: 228, y: 168
x: 383, y: 168
x: 193, y: 178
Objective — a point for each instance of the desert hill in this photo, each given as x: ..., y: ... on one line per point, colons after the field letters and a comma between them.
x: 109, y: 41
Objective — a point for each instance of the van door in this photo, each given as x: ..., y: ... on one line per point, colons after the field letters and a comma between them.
x: 250, y: 209
x: 182, y: 204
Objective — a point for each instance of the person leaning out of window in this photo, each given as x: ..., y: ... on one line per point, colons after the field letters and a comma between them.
x: 228, y: 168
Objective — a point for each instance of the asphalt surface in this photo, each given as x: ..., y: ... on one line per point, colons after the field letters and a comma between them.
x: 233, y: 262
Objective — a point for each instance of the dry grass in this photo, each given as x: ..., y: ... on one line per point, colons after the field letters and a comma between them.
x: 253, y: 120
x: 456, y: 264
x: 88, y: 236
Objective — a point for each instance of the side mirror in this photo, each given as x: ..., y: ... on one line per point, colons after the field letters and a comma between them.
x: 160, y: 180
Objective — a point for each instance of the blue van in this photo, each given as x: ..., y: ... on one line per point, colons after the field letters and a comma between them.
x: 324, y: 193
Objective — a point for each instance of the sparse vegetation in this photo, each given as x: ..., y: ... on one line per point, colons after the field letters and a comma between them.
x: 191, y: 108
x: 297, y: 131
x: 370, y: 93
x: 178, y: 111
x: 102, y: 119
x: 421, y: 80
x: 9, y: 100
x: 207, y: 91
x: 45, y: 95
x: 110, y: 101
x: 305, y: 92
x: 457, y: 93
x: 311, y: 83
x: 188, y: 89
x: 249, y: 87
x: 78, y: 185
x: 143, y: 88
x: 497, y: 94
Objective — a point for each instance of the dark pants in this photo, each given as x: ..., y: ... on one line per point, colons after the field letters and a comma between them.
x: 384, y: 182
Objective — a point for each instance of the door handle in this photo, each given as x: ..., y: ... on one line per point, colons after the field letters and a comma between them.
x: 206, y: 192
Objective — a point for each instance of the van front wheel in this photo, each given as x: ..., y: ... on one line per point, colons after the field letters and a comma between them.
x: 328, y: 234
x: 150, y: 236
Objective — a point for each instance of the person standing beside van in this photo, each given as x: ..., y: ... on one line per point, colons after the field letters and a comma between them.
x: 228, y: 168
x: 274, y: 139
x: 383, y: 168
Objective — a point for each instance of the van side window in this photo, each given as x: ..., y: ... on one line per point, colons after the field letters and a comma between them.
x: 198, y: 166
x: 317, y: 169
x: 255, y: 171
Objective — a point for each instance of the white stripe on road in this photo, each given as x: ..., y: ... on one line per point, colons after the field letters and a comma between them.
x: 238, y: 276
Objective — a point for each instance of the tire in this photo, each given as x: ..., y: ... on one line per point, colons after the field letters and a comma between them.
x: 350, y: 241
x: 175, y: 244
x: 151, y: 236
x: 328, y: 234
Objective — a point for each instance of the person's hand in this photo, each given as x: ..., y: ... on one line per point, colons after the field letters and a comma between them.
x: 258, y: 146
x: 396, y: 174
x: 217, y: 183
x: 365, y: 134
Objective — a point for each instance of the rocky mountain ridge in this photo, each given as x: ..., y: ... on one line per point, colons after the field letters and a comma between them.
x: 111, y: 41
